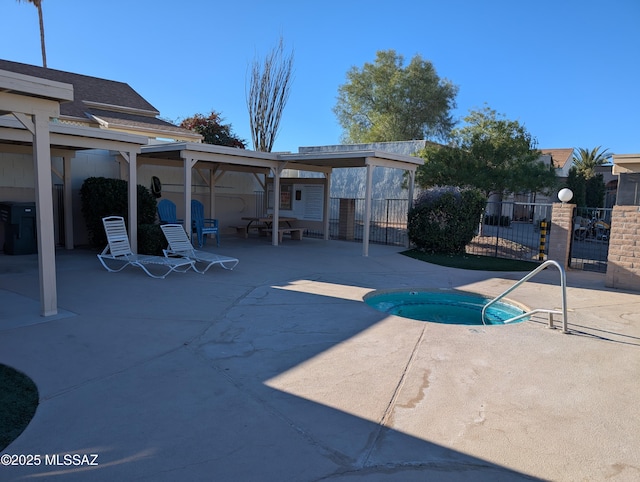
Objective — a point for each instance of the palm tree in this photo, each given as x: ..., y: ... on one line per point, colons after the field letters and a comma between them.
x: 38, y: 5
x: 587, y: 160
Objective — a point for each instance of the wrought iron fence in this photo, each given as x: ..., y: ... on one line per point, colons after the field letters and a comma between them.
x: 513, y: 230
x: 388, y: 221
x: 590, y: 240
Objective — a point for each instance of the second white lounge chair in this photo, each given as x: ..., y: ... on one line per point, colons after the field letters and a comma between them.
x: 118, y: 249
x: 179, y: 245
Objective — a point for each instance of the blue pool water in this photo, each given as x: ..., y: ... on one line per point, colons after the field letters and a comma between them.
x: 450, y: 307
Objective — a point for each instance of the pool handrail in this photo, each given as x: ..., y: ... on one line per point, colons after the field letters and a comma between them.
x: 563, y: 284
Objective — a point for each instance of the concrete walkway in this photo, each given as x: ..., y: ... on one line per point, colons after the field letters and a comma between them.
x: 277, y: 371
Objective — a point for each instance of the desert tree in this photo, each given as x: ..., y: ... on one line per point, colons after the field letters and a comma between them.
x: 267, y: 94
x: 38, y: 5
x: 388, y: 101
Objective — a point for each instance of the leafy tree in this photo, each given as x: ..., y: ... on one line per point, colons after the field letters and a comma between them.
x: 595, y: 190
x: 577, y: 183
x: 38, y: 5
x: 586, y: 160
x: 268, y: 93
x: 386, y: 101
x: 490, y: 153
x: 213, y: 130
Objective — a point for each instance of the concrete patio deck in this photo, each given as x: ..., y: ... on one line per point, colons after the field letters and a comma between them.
x: 277, y: 371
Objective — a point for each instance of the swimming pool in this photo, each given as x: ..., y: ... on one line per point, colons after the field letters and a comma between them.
x: 451, y: 307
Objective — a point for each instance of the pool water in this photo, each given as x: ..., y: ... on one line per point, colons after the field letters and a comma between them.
x: 449, y: 307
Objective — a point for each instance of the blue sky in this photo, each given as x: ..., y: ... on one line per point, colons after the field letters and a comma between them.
x: 567, y: 69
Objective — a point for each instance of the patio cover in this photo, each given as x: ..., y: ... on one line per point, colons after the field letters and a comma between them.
x: 220, y: 159
x: 33, y: 102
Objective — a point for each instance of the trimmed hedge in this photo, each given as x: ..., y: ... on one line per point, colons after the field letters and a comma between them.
x: 445, y: 219
x: 102, y: 197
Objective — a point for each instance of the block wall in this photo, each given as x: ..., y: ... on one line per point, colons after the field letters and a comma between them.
x: 623, y: 268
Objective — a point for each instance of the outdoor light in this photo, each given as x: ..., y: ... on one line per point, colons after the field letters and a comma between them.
x: 565, y: 195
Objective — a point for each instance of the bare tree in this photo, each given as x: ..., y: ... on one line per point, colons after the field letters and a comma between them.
x: 267, y: 95
x: 38, y: 5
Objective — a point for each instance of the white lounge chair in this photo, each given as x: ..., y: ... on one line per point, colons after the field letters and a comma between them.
x: 179, y: 245
x: 119, y: 249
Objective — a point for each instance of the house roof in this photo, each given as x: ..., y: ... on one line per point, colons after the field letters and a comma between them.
x: 559, y: 157
x: 110, y: 104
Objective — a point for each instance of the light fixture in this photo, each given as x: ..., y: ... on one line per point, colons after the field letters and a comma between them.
x: 565, y: 195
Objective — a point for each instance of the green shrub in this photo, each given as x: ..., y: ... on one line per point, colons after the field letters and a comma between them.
x: 445, y: 219
x: 150, y: 239
x: 103, y: 197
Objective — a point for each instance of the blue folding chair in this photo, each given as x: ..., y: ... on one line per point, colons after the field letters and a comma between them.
x: 201, y: 225
x: 167, y: 212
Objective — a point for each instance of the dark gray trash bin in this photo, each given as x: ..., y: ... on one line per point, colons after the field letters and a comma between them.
x: 19, y: 227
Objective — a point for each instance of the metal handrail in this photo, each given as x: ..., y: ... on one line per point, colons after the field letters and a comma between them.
x: 563, y: 284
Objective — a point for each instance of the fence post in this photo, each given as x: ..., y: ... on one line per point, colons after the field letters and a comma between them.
x: 543, y: 240
x: 562, y: 227
x: 623, y: 267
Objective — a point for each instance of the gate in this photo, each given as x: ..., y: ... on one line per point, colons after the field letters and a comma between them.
x: 514, y: 230
x: 590, y: 239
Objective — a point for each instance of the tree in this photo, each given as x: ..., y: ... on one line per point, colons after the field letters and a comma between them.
x: 386, y: 101
x: 490, y: 153
x: 38, y: 5
x: 213, y: 130
x: 586, y: 160
x: 268, y: 93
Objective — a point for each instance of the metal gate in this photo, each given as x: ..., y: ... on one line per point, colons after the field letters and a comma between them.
x: 590, y: 240
x: 514, y: 230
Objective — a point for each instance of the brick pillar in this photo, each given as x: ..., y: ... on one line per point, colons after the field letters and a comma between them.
x: 623, y: 266
x: 347, y: 219
x: 560, y: 234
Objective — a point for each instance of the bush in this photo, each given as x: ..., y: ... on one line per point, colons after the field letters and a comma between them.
x: 103, y: 197
x: 150, y: 239
x: 497, y: 220
x: 445, y: 219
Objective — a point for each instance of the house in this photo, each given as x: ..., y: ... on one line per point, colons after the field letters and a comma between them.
x: 106, y: 104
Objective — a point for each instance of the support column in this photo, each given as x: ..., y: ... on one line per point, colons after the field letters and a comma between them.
x: 367, y: 211
x: 132, y: 189
x: 189, y: 162
x: 276, y: 206
x: 327, y: 205
x: 412, y: 180
x: 561, y: 231
x: 68, y: 202
x: 44, y: 215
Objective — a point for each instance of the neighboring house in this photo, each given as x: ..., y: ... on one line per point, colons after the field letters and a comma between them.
x: 106, y: 104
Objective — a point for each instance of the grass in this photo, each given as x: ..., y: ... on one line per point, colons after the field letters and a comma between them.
x: 18, y: 403
x: 472, y: 261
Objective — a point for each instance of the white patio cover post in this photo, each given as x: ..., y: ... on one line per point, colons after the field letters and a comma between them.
x: 412, y: 180
x: 37, y: 122
x: 132, y: 188
x: 327, y: 205
x: 367, y: 210
x: 276, y: 205
x: 189, y: 162
x: 44, y: 213
x: 68, y: 201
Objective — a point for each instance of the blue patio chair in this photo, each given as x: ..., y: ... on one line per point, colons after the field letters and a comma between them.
x: 201, y: 225
x: 167, y: 212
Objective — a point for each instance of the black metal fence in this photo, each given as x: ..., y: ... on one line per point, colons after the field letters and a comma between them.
x: 388, y: 221
x: 514, y: 230
x: 590, y: 240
